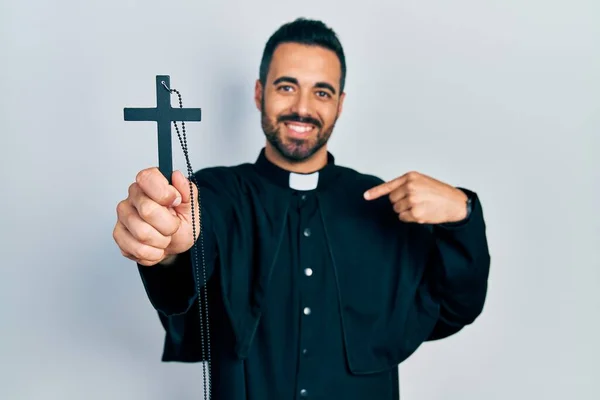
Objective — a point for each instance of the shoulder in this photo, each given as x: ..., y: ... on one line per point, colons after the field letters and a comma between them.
x: 346, y: 195
x: 353, y: 179
x: 223, y: 176
x: 222, y: 185
x: 222, y: 190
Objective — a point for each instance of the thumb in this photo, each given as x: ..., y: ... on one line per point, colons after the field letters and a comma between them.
x: 182, y: 184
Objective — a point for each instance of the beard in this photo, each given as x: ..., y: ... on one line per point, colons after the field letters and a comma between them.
x: 292, y: 149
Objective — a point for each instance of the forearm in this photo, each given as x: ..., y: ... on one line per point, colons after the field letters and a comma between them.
x: 459, y: 270
x: 170, y: 286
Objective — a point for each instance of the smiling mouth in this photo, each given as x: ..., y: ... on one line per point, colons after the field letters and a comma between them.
x: 299, y: 129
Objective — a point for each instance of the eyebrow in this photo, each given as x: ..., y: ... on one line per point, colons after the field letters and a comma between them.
x: 289, y: 79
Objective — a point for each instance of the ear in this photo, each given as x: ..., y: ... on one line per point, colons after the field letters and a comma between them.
x: 341, y: 104
x: 258, y: 94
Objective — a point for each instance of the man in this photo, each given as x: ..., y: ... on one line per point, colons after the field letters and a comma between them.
x: 321, y: 279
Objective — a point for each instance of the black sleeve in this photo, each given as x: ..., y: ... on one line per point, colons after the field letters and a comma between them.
x: 458, y: 271
x: 172, y: 288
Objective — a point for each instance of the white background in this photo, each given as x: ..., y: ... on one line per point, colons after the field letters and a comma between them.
x: 502, y: 97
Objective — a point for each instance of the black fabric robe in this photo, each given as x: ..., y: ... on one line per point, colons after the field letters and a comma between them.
x: 390, y: 285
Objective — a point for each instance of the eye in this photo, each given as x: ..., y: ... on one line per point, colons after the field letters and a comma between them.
x: 323, y: 94
x: 285, y: 88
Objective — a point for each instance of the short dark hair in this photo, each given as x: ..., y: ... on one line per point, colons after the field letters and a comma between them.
x: 303, y: 31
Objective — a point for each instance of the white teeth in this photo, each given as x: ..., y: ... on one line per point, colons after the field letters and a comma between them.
x: 299, y: 128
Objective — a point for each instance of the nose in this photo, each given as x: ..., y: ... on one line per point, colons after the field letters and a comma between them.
x: 302, y: 104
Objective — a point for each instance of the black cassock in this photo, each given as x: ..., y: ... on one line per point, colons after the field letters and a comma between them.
x: 316, y: 293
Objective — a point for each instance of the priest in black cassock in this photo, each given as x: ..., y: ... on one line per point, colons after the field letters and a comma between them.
x: 321, y: 280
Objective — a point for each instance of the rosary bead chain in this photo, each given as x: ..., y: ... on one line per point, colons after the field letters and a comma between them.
x: 205, y: 336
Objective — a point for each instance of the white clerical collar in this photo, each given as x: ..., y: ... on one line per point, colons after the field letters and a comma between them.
x: 304, y: 181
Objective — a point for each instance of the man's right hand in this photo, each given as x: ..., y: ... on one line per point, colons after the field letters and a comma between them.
x: 154, y: 222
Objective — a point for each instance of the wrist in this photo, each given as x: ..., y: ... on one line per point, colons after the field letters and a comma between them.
x: 460, y: 209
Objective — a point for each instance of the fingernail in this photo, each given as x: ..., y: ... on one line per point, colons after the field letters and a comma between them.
x: 176, y: 202
x: 366, y: 195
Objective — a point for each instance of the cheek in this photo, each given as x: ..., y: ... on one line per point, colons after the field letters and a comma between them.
x: 329, y: 114
x: 275, y: 106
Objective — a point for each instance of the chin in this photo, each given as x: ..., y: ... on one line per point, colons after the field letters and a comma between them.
x: 298, y: 149
x: 295, y: 145
x: 295, y: 153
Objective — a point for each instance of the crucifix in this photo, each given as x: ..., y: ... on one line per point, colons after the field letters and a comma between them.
x: 163, y: 114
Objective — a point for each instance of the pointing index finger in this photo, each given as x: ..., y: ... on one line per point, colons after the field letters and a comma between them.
x: 384, y: 188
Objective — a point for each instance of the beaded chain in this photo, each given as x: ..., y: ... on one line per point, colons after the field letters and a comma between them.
x: 205, y: 337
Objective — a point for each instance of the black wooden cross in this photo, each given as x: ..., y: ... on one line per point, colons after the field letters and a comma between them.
x: 163, y: 114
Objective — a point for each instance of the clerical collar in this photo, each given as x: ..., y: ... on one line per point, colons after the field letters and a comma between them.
x: 296, y: 181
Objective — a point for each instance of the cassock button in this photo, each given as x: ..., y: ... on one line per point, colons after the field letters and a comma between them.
x: 304, y: 352
x: 308, y: 272
x: 306, y: 311
x: 303, y: 197
x: 303, y: 393
x: 307, y: 232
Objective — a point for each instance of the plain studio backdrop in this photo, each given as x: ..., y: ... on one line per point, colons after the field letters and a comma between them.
x: 502, y: 97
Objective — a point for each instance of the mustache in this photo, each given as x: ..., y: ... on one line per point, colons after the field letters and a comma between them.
x: 298, y: 118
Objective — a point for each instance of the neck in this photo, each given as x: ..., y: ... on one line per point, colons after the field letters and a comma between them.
x: 311, y: 164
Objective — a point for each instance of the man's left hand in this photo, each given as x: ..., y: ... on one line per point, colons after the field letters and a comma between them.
x: 421, y: 199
